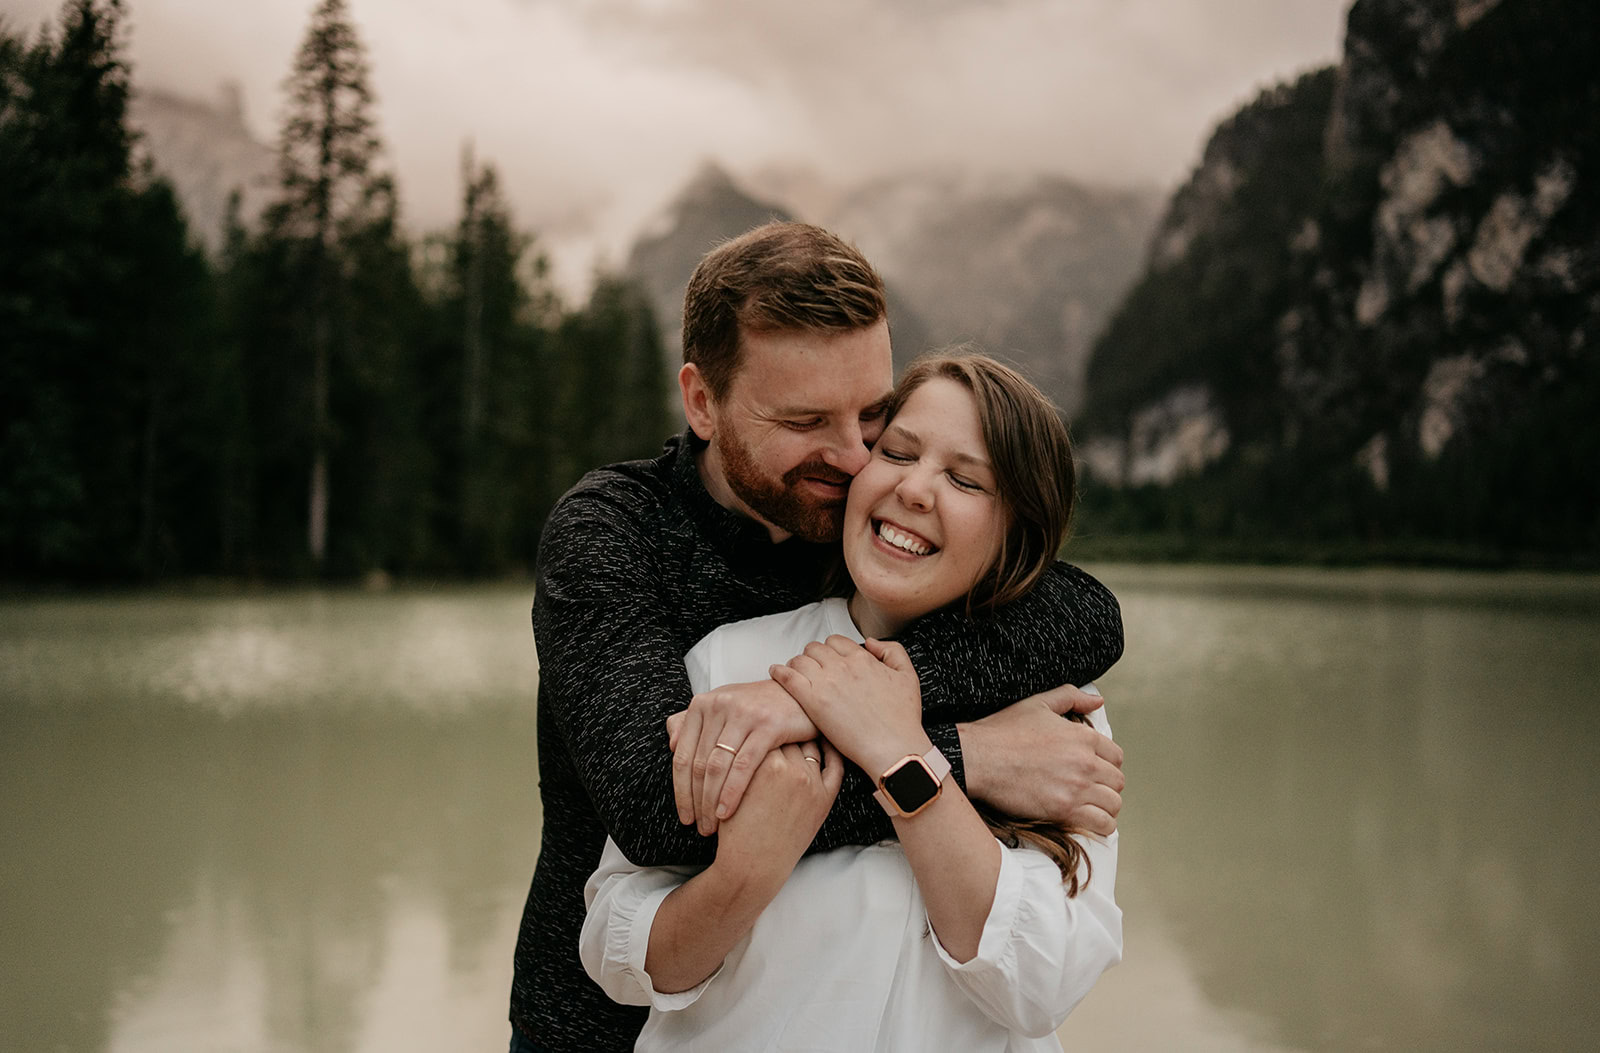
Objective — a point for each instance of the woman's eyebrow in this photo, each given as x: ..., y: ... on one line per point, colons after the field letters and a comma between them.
x: 902, y: 432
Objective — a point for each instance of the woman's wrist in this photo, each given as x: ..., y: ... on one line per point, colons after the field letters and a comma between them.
x: 878, y: 757
x: 740, y: 884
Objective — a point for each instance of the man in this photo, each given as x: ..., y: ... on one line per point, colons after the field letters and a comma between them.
x: 787, y: 368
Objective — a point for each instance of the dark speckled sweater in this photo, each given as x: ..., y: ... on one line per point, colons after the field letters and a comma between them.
x: 636, y: 564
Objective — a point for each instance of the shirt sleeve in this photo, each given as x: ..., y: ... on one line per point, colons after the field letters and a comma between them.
x: 622, y: 900
x: 611, y: 666
x: 1041, y: 952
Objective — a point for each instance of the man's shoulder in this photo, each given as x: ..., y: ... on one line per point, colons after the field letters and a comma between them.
x: 631, y: 496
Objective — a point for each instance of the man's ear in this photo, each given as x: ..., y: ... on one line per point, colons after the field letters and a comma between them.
x: 698, y: 409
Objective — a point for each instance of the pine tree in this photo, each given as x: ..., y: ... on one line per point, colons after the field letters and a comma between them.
x: 330, y: 193
x: 489, y: 302
x: 103, y: 307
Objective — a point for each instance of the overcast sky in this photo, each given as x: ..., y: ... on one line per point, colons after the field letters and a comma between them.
x: 595, y: 110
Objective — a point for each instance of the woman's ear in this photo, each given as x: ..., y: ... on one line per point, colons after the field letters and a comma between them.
x: 699, y: 408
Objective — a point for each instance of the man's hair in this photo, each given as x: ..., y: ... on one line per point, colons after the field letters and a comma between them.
x: 778, y: 277
x: 1031, y: 454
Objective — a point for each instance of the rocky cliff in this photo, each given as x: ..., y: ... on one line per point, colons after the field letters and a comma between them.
x: 207, y: 153
x: 1373, y: 309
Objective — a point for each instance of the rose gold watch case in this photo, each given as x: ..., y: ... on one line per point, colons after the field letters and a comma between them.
x: 938, y: 785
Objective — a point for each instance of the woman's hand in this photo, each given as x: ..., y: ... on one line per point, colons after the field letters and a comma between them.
x: 700, y: 921
x: 789, y: 796
x: 867, y: 701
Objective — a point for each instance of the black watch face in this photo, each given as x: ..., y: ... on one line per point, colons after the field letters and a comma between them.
x: 910, y: 786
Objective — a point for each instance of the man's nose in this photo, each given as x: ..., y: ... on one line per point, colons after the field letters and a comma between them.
x: 848, y: 449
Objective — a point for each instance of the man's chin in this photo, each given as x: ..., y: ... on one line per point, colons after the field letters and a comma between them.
x: 820, y: 524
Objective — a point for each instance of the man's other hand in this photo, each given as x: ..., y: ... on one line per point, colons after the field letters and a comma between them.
x: 1029, y: 762
x: 751, y: 720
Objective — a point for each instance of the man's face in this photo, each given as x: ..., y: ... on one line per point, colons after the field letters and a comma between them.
x: 796, y: 422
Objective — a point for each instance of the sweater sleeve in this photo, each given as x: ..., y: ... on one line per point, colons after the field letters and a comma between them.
x: 611, y: 667
x: 1068, y: 630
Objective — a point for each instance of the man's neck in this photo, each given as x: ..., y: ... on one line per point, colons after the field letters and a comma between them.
x: 709, y: 463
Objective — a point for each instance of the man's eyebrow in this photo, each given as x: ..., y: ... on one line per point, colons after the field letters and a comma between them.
x: 818, y: 411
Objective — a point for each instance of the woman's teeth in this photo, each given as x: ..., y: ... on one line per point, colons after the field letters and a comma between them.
x: 903, y: 541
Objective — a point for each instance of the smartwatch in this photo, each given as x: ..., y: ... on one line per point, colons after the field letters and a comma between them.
x: 912, y: 783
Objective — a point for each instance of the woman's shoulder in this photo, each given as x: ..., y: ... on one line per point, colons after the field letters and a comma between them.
x: 741, y: 651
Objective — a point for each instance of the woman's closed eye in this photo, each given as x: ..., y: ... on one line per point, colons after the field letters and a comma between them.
x: 967, y: 484
x: 897, y: 456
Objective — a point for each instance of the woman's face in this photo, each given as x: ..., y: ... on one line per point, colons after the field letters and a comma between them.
x: 923, y: 521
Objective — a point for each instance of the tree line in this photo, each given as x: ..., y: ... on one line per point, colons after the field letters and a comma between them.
x: 326, y: 397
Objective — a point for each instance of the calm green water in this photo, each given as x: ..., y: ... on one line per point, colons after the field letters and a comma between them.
x: 1361, y: 815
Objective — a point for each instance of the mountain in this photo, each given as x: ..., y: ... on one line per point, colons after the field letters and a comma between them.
x: 707, y: 211
x: 711, y: 209
x: 207, y: 153
x: 1029, y: 268
x: 1372, y: 311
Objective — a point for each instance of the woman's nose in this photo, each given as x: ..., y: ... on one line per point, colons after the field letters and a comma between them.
x: 916, y: 489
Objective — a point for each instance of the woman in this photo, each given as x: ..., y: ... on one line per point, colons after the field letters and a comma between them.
x: 961, y: 934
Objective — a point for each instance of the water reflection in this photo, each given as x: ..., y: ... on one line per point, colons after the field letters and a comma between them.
x: 1367, y: 812
x: 1361, y: 816
x: 323, y: 858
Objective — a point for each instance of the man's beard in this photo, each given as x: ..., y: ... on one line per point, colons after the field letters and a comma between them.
x: 781, y: 502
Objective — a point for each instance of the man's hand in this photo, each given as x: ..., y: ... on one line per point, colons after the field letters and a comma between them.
x: 751, y: 720
x: 1027, y: 761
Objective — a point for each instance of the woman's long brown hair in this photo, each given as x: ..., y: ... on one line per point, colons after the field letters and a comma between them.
x: 1031, y: 453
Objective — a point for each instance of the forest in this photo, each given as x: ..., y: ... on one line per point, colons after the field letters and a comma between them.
x: 328, y: 397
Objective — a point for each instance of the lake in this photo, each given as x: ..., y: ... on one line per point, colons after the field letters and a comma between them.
x: 1361, y: 814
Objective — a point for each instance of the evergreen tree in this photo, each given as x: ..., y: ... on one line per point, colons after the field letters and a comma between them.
x: 612, y: 381
x: 331, y: 194
x: 488, y: 305
x: 103, y: 308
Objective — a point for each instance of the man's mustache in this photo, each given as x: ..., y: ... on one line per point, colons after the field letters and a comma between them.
x: 821, y: 470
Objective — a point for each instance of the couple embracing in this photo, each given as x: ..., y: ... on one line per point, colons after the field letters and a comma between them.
x: 855, y: 583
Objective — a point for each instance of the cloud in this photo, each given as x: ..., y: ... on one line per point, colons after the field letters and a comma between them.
x: 594, y: 111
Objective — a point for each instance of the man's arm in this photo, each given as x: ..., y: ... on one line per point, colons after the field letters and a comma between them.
x: 611, y: 666
x: 1000, y: 678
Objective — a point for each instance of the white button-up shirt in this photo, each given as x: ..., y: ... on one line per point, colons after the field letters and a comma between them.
x: 844, y: 957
